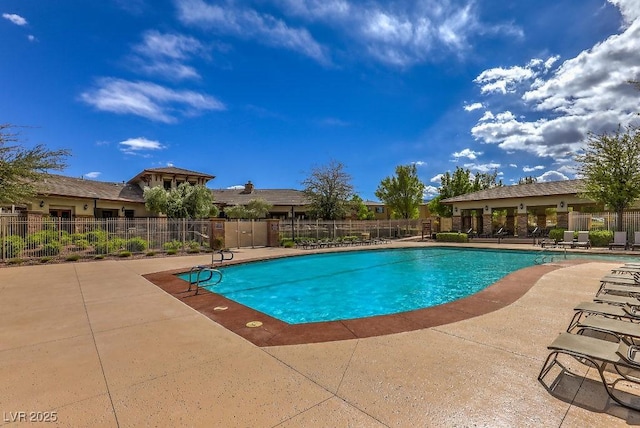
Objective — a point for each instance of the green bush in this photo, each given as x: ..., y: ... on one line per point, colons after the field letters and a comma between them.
x: 40, y: 238
x: 287, y: 243
x: 44, y: 260
x: 136, y: 245
x: 172, y: 252
x: 73, y: 258
x: 150, y: 254
x: 97, y: 236
x: 16, y: 261
x: 12, y: 246
x: 82, y: 244
x: 108, y: 247
x: 218, y: 243
x: 194, y: 245
x: 452, y: 237
x: 51, y: 248
x: 124, y: 254
x: 600, y: 238
x: 174, y: 246
x: 557, y: 234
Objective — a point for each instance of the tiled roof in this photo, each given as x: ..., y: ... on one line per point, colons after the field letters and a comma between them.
x: 59, y: 185
x: 171, y: 170
x: 550, y: 188
x: 272, y: 196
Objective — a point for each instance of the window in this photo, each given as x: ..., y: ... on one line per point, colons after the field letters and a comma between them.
x: 66, y: 214
x: 129, y: 213
x: 379, y: 210
x: 167, y: 184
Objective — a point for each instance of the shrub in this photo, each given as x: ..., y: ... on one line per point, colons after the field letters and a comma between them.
x: 136, y: 245
x: 174, y: 246
x: 124, y: 254
x: 452, y: 237
x: 97, y: 236
x: 51, y: 248
x: 111, y: 246
x: 557, y: 234
x: 172, y: 252
x: 12, y: 246
x: 600, y: 238
x: 218, y: 243
x: 287, y: 243
x: 193, y: 245
x: 42, y: 237
x: 45, y: 259
x: 98, y: 257
x: 73, y: 258
x: 150, y: 254
x: 15, y: 261
x: 82, y: 244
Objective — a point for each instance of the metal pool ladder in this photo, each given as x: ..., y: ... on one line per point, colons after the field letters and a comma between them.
x: 200, y: 271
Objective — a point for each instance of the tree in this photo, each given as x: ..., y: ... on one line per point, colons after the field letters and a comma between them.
x: 328, y: 189
x: 21, y: 169
x: 360, y: 210
x: 459, y: 183
x: 255, y: 209
x: 528, y: 180
x: 184, y: 201
x: 402, y: 193
x: 610, y: 166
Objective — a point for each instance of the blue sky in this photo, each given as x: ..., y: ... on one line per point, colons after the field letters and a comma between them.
x: 266, y: 90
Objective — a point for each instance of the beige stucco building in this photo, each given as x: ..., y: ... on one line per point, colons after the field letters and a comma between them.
x: 521, y: 202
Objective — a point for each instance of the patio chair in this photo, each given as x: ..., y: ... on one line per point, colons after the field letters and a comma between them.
x: 583, y: 240
x: 501, y: 233
x: 619, y: 241
x: 636, y: 240
x: 567, y: 239
x: 599, y: 354
x: 627, y: 311
x: 471, y: 233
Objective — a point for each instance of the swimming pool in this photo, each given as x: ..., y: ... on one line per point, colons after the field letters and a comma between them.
x: 348, y: 285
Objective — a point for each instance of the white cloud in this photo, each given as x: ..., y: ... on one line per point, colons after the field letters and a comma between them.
x: 587, y: 93
x: 236, y: 187
x: 165, y: 54
x: 430, y: 192
x: 16, y: 19
x: 508, y: 80
x: 466, y: 153
x: 551, y: 176
x: 437, y: 178
x: 148, y: 100
x: 398, y: 34
x: 245, y: 23
x: 419, y: 163
x: 32, y: 38
x: 532, y: 168
x: 472, y: 107
x: 513, y: 165
x: 92, y: 174
x: 135, y: 145
x: 483, y: 167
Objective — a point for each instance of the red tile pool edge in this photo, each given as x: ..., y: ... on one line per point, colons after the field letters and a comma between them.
x: 274, y: 332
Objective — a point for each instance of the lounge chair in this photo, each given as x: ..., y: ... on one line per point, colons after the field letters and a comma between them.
x: 471, y: 233
x: 582, y: 241
x: 636, y: 240
x: 567, y: 239
x: 619, y: 241
x: 598, y: 353
x: 629, y: 312
x: 500, y: 233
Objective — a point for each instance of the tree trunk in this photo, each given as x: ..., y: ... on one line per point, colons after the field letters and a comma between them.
x: 619, y: 215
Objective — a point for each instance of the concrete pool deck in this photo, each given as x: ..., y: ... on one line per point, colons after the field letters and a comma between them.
x: 100, y: 345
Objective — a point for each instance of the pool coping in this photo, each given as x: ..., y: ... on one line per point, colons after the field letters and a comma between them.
x: 274, y: 332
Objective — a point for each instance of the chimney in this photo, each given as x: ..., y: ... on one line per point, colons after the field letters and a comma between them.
x: 248, y: 188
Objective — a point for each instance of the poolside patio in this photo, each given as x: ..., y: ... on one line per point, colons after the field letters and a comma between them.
x: 100, y: 345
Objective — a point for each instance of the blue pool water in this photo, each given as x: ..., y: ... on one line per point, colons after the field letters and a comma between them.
x: 347, y: 285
